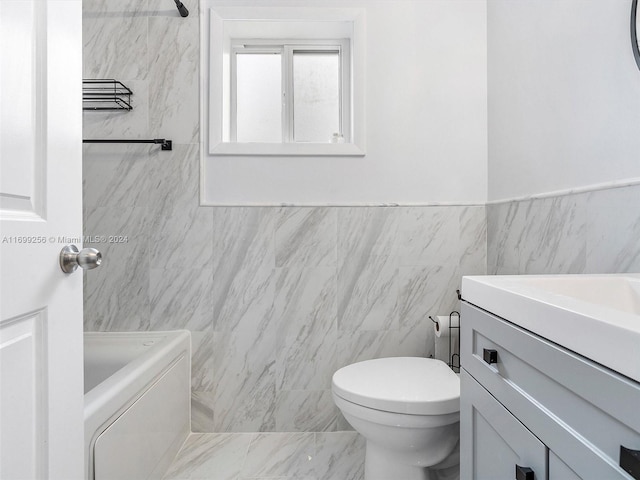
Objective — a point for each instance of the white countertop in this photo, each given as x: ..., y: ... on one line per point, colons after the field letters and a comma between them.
x: 596, y: 316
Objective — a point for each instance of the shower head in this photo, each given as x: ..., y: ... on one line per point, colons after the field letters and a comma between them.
x: 182, y: 9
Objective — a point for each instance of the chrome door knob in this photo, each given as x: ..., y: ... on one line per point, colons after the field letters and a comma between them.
x: 71, y: 258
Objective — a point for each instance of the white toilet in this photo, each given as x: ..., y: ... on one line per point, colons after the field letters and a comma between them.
x: 408, y: 410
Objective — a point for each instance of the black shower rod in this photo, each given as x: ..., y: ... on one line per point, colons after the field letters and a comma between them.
x: 164, y: 144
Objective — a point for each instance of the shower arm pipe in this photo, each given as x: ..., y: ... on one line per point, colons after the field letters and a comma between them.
x: 182, y: 9
x: 164, y: 144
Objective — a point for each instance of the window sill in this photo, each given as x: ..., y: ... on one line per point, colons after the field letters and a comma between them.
x: 288, y: 149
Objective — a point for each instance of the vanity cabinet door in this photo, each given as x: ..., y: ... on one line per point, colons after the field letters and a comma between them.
x: 493, y: 443
x: 558, y: 470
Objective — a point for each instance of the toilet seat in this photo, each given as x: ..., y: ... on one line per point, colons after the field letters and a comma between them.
x: 410, y: 385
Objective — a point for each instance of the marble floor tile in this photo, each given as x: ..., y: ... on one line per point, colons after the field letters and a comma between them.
x: 278, y: 454
x: 272, y: 456
x: 217, y: 456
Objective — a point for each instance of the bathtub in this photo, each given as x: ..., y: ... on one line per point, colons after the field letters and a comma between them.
x: 136, y: 402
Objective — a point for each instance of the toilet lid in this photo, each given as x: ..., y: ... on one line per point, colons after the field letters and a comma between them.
x: 411, y: 385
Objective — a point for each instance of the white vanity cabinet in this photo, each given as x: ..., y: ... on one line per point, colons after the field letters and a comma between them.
x: 533, y: 410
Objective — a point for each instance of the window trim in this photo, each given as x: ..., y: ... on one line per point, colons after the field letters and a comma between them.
x: 287, y: 48
x: 223, y: 23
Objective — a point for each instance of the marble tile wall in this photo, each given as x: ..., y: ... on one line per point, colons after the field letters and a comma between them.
x: 276, y: 298
x: 592, y: 232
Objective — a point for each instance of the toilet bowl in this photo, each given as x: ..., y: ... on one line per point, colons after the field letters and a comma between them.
x: 406, y: 408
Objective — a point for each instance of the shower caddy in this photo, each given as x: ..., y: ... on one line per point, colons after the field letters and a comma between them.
x: 112, y: 95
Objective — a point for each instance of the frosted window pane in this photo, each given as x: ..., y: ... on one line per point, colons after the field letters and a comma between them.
x: 259, y: 107
x: 316, y: 96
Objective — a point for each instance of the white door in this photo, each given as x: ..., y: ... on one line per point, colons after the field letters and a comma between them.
x: 41, y: 377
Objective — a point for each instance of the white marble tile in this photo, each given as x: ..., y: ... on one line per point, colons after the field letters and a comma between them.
x: 367, y: 293
x: 473, y: 240
x: 306, y: 237
x: 280, y: 454
x: 554, y: 240
x: 182, y: 240
x: 425, y: 291
x: 304, y: 297
x: 245, y: 392
x: 216, y: 456
x: 173, y: 72
x: 174, y: 187
x: 539, y: 236
x: 202, y: 365
x: 339, y: 456
x: 115, y: 38
x: 305, y: 411
x: 244, y: 267
x: 116, y: 295
x: 367, y: 231
x: 202, y: 414
x: 359, y: 346
x: 115, y: 176
x: 305, y: 312
x: 181, y: 298
x: 429, y: 236
x: 613, y: 230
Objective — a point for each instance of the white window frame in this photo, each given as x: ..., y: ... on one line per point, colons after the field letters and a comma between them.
x: 223, y: 24
x: 286, y: 48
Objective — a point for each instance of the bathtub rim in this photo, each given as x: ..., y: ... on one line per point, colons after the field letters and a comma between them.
x: 129, y: 385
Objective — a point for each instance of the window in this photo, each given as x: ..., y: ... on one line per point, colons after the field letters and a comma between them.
x: 290, y: 91
x: 283, y: 81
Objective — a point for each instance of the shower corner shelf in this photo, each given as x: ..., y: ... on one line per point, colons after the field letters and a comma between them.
x: 105, y: 94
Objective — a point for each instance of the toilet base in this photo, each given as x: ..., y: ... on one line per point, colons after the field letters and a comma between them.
x: 380, y: 464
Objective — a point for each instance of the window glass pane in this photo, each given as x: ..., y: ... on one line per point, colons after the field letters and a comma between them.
x: 258, y: 97
x: 316, y: 96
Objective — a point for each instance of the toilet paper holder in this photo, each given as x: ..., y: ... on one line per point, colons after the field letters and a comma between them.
x: 454, y: 358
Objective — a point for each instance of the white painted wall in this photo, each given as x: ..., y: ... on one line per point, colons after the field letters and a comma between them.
x: 564, y: 96
x: 426, y: 112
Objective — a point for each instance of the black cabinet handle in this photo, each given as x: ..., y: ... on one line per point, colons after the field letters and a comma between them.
x: 490, y: 356
x: 630, y: 461
x: 523, y: 473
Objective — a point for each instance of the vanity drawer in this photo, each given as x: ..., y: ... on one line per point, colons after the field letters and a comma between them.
x: 582, y: 411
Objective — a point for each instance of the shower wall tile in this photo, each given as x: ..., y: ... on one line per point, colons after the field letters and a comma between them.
x: 174, y: 78
x: 181, y: 298
x: 173, y: 183
x: 117, y: 294
x: 115, y: 42
x: 119, y: 177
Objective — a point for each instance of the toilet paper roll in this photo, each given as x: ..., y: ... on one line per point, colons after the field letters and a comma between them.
x: 442, y: 327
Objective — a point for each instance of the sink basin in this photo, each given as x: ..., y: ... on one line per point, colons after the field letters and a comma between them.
x: 596, y: 316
